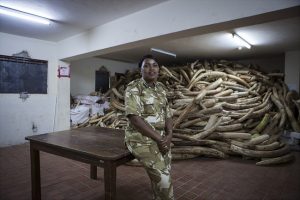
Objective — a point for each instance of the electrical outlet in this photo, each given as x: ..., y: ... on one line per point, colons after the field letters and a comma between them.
x: 34, y: 127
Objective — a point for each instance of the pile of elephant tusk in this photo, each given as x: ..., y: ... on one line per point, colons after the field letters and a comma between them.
x: 220, y: 108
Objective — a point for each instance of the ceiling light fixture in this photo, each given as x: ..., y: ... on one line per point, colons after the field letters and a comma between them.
x: 241, y: 41
x: 163, y: 52
x: 23, y: 15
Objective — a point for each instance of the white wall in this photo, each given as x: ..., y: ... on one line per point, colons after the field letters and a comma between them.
x: 17, y: 117
x: 292, y: 70
x: 267, y: 65
x: 164, y: 19
x: 62, y: 109
x: 83, y: 73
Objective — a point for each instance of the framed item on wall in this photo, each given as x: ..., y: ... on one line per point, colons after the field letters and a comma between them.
x: 102, y: 81
x: 63, y: 71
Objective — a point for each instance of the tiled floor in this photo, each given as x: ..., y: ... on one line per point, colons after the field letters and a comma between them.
x: 201, y: 179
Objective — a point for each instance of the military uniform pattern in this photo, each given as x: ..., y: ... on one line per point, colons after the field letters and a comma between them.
x: 151, y: 104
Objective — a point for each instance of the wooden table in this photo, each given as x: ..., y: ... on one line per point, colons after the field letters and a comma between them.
x: 96, y: 146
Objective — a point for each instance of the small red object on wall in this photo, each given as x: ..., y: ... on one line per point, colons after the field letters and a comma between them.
x: 63, y: 71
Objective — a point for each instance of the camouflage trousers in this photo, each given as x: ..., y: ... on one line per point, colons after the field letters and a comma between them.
x: 158, y: 167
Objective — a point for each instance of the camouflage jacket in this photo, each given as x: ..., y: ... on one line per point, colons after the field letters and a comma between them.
x: 149, y: 103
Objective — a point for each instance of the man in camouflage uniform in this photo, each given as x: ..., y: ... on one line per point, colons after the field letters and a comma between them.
x: 149, y: 131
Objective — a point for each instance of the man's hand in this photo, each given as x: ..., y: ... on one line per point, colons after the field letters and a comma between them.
x: 145, y: 129
x: 164, y: 144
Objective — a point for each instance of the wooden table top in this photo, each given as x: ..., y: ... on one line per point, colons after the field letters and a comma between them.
x: 98, y: 142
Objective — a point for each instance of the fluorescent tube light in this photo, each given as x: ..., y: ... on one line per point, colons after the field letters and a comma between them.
x: 163, y: 52
x: 23, y: 15
x: 241, y: 41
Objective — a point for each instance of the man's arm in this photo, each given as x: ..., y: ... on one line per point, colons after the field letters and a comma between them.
x: 145, y: 129
x: 169, y: 131
x: 141, y: 126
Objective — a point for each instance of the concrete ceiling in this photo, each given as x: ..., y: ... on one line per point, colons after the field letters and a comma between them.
x: 71, y: 17
x: 267, y: 39
x: 270, y: 34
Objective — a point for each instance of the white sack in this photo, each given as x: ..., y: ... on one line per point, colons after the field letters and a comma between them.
x: 99, y: 108
x: 89, y: 100
x: 79, y: 114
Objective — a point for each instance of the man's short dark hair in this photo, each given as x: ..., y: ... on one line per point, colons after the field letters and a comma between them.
x: 148, y: 56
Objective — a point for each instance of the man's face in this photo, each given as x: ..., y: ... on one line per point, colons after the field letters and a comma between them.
x: 150, y: 70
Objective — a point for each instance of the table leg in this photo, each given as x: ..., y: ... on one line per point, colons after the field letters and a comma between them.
x: 35, y: 174
x: 110, y: 180
x: 93, y: 171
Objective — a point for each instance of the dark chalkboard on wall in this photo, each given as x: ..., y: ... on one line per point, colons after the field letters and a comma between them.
x: 18, y: 74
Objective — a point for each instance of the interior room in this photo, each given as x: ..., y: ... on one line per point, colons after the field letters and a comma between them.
x: 230, y: 69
